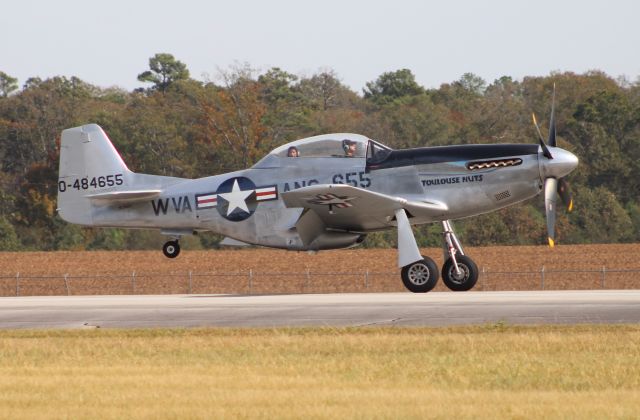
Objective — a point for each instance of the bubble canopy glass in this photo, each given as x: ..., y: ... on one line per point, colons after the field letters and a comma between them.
x: 337, y: 145
x: 327, y: 145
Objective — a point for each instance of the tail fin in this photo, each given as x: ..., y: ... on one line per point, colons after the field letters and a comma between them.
x: 89, y: 164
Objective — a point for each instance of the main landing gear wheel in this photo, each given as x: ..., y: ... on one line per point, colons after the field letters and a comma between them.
x: 420, y: 276
x: 467, y: 277
x: 171, y: 249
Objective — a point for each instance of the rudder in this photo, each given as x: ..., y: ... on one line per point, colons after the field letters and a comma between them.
x: 88, y: 164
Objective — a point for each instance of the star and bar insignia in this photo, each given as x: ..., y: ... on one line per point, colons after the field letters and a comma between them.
x: 236, y: 198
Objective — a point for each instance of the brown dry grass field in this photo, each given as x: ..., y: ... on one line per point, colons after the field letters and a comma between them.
x: 276, y: 271
x: 490, y: 371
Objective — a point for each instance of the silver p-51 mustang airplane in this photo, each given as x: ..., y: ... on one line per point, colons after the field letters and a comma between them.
x: 318, y: 193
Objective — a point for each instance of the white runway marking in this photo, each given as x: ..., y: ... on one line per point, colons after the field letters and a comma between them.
x: 403, y: 309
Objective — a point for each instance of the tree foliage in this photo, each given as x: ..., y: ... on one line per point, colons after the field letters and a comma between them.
x: 164, y: 70
x: 187, y: 128
x: 7, y: 84
x: 392, y: 85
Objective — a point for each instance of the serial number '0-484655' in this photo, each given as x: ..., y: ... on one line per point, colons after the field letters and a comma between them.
x: 87, y: 183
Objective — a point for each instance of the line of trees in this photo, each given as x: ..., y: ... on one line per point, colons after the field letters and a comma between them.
x: 184, y: 127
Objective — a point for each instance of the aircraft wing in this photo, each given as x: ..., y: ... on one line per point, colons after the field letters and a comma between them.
x: 344, y: 207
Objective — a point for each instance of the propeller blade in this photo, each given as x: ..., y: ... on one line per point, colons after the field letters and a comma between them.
x: 550, y: 197
x: 552, y: 122
x: 565, y: 194
x: 535, y: 123
x: 545, y: 149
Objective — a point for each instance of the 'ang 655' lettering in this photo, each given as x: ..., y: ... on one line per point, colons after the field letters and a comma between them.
x: 87, y: 183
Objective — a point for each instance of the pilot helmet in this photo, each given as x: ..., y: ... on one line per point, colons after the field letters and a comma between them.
x: 346, y: 144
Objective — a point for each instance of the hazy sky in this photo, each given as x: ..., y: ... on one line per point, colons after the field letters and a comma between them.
x: 109, y: 42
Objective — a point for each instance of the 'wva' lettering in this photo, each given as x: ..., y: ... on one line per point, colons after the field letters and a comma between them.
x: 180, y: 205
x: 160, y: 206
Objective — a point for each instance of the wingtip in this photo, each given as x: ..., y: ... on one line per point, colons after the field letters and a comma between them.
x: 551, y: 243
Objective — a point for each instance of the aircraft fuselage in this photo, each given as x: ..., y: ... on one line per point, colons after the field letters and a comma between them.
x: 503, y: 175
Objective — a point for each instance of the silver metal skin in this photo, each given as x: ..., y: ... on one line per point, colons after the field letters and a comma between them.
x: 340, y: 187
x: 408, y: 251
x: 563, y: 163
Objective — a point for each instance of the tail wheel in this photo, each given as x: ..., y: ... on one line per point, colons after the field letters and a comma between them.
x: 171, y: 249
x: 421, y: 276
x: 465, y: 279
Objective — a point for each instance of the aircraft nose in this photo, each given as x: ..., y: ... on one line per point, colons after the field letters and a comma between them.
x: 562, y: 164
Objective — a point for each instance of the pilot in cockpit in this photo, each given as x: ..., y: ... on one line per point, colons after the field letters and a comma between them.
x: 293, y: 152
x: 349, y: 148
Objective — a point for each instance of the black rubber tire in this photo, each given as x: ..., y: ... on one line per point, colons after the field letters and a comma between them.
x: 469, y: 271
x: 421, y: 276
x: 171, y: 249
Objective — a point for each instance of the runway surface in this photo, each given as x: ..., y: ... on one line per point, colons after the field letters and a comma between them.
x: 402, y: 309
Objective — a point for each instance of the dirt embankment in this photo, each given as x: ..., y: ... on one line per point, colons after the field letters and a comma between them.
x: 275, y: 271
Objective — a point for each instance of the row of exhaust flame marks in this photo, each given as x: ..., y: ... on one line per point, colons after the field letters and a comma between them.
x: 493, y: 164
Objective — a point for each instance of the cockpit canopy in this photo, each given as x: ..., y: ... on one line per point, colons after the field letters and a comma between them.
x: 337, y: 145
x: 327, y: 145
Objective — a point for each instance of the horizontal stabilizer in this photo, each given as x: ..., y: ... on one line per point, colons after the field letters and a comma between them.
x: 135, y: 195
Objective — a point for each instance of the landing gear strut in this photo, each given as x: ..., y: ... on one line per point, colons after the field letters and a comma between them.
x: 420, y: 273
x: 459, y: 272
x: 171, y: 249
